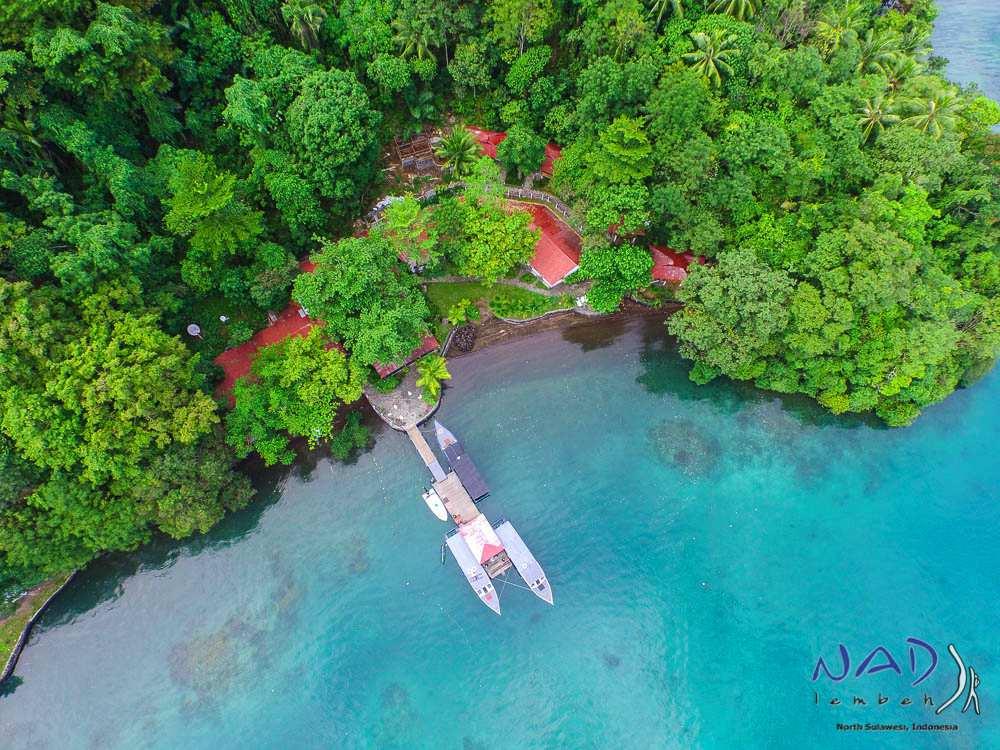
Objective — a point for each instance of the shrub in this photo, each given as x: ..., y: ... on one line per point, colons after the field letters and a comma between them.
x: 508, y: 305
x: 240, y: 332
x: 390, y: 383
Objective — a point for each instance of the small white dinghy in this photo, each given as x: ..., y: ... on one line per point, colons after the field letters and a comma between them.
x: 435, y: 505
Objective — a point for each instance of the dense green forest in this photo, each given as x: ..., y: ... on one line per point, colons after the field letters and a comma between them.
x: 163, y: 163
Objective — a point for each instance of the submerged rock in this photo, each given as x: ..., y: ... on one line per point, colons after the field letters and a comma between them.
x: 686, y: 445
x: 212, y: 664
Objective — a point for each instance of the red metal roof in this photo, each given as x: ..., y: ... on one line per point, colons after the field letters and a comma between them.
x: 490, y: 551
x: 426, y: 346
x: 671, y: 265
x: 490, y: 139
x: 292, y: 321
x: 557, y: 252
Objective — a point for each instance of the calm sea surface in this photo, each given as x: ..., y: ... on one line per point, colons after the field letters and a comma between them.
x: 705, y: 546
x: 967, y: 33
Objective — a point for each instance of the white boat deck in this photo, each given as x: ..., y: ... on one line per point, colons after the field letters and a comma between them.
x: 526, y: 564
x: 474, y: 572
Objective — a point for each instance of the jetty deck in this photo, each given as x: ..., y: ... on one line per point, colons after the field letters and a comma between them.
x: 455, y: 498
x: 430, y: 460
x: 482, y: 550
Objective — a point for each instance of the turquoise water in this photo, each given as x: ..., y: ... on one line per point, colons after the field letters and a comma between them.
x: 705, y: 546
x: 967, y: 33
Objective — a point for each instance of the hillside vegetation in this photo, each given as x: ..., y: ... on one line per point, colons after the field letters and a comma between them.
x: 168, y: 163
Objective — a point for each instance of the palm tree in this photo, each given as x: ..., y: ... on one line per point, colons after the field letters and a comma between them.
x: 877, y: 49
x: 835, y: 26
x: 659, y: 8
x: 414, y: 35
x: 915, y: 43
x: 431, y: 370
x: 459, y: 150
x: 304, y: 19
x: 875, y: 115
x: 936, y: 113
x: 899, y: 70
x: 711, y: 56
x: 739, y: 9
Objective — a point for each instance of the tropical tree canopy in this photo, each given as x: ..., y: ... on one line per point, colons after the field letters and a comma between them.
x: 167, y: 170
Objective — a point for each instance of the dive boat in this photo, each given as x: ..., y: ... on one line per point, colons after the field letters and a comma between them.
x: 460, y: 462
x: 435, y: 505
x: 473, y: 571
x: 525, y: 563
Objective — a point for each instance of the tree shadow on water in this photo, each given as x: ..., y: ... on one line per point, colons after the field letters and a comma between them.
x: 665, y: 371
x: 595, y: 334
x: 103, y: 579
x: 8, y: 686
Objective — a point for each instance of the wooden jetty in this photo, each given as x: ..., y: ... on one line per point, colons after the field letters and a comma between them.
x: 461, y: 463
x: 456, y: 500
x: 430, y: 460
x: 473, y: 527
x: 482, y: 550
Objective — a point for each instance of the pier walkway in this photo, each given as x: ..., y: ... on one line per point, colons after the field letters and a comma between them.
x: 420, y: 443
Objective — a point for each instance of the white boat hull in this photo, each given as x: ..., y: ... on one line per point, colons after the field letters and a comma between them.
x: 473, y: 572
x: 524, y: 562
x: 435, y: 505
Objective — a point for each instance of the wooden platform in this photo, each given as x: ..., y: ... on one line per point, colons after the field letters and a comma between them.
x: 456, y: 500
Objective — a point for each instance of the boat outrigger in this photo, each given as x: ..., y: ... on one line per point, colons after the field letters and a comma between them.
x: 483, y: 551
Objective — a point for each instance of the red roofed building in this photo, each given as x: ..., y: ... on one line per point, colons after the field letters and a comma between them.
x: 490, y: 139
x: 236, y: 362
x: 557, y: 252
x: 293, y: 321
x: 428, y: 345
x: 671, y: 266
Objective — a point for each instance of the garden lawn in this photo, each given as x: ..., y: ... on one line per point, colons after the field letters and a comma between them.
x: 513, y: 302
x: 12, y: 626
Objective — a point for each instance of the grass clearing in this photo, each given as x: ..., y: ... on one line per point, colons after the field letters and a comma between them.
x: 508, y: 301
x: 12, y: 626
x: 214, y: 333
